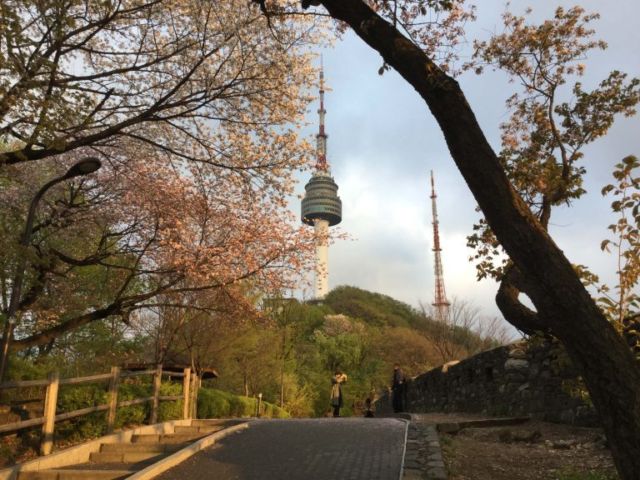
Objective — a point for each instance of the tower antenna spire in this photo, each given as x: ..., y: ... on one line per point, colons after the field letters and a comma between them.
x: 440, y: 301
x: 321, y: 137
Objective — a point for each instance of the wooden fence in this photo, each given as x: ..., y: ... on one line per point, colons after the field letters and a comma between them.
x: 190, y: 384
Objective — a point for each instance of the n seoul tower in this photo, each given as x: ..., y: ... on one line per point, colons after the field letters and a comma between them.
x: 321, y: 206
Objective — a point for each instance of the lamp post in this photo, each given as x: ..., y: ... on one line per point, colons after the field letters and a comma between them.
x: 83, y: 167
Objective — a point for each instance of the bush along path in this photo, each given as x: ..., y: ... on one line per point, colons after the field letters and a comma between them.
x: 213, y: 403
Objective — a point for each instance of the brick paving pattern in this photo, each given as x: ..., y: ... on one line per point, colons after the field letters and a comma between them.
x: 309, y: 449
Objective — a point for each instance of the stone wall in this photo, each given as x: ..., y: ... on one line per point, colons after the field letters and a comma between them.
x: 513, y: 380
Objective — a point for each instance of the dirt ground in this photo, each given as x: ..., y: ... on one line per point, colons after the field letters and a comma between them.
x: 531, y: 451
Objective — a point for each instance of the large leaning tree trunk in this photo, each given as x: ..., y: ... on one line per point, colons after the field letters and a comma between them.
x: 563, y: 304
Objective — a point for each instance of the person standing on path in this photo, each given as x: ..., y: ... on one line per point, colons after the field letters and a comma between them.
x: 336, y: 391
x: 397, y: 389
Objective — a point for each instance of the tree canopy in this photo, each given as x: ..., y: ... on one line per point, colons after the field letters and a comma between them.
x: 193, y: 109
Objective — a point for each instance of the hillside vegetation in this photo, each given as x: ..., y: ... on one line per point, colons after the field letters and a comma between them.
x: 361, y: 332
x: 374, y: 308
x: 287, y: 350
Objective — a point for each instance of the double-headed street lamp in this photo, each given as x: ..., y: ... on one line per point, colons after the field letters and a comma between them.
x: 83, y: 167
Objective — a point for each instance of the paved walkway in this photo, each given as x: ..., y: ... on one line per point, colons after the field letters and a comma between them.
x: 303, y: 449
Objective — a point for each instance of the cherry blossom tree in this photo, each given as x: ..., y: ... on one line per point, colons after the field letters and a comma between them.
x: 149, y: 232
x: 179, y: 75
x: 194, y: 109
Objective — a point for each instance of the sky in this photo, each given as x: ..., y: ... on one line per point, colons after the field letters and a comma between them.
x: 383, y: 142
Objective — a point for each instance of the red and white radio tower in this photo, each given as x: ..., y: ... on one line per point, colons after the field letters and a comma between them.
x: 440, y: 300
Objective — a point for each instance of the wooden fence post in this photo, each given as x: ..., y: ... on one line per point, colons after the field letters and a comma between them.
x: 157, y: 380
x: 114, y: 382
x: 194, y: 396
x: 50, y: 401
x: 186, y: 380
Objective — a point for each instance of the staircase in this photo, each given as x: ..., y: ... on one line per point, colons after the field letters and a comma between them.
x: 121, y: 460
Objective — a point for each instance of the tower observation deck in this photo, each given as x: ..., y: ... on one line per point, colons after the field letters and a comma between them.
x: 321, y: 201
x: 321, y: 205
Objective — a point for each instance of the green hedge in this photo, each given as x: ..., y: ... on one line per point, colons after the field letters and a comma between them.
x: 214, y: 403
x: 72, y: 397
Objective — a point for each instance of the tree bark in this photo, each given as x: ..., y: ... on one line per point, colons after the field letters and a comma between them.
x: 611, y: 373
x: 513, y: 310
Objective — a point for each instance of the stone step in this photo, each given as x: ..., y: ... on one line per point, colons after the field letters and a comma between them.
x: 124, y: 457
x: 194, y: 430
x: 168, y: 438
x: 139, y: 447
x: 73, y: 474
x: 226, y: 422
x: 455, y: 427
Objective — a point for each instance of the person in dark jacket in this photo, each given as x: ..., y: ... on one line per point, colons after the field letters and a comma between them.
x: 397, y: 389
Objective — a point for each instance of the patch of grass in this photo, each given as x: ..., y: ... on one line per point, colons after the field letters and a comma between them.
x: 445, y: 440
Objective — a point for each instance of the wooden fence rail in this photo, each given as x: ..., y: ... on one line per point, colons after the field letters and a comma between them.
x: 189, y: 397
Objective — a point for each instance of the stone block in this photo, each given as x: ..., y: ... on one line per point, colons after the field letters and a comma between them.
x: 518, y: 365
x: 515, y: 377
x: 518, y: 353
x: 409, y: 474
x: 436, y: 474
x: 413, y: 464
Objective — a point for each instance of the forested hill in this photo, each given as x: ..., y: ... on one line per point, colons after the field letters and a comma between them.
x: 466, y: 331
x: 374, y: 308
x: 364, y: 334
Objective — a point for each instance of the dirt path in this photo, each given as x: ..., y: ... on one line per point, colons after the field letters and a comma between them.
x: 532, y: 451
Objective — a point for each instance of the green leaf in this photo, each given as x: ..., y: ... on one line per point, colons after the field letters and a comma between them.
x: 607, y: 189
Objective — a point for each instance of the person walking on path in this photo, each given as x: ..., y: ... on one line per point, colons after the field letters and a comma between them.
x: 336, y: 391
x: 397, y: 389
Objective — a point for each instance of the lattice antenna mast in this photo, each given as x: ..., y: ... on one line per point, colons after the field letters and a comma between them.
x: 321, y: 137
x: 440, y: 301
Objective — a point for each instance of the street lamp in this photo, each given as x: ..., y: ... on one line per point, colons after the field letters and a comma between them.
x: 83, y: 167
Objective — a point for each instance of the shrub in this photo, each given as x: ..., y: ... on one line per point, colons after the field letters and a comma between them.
x: 134, y: 414
x: 170, y: 410
x: 213, y: 403
x: 273, y: 411
x: 75, y: 397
